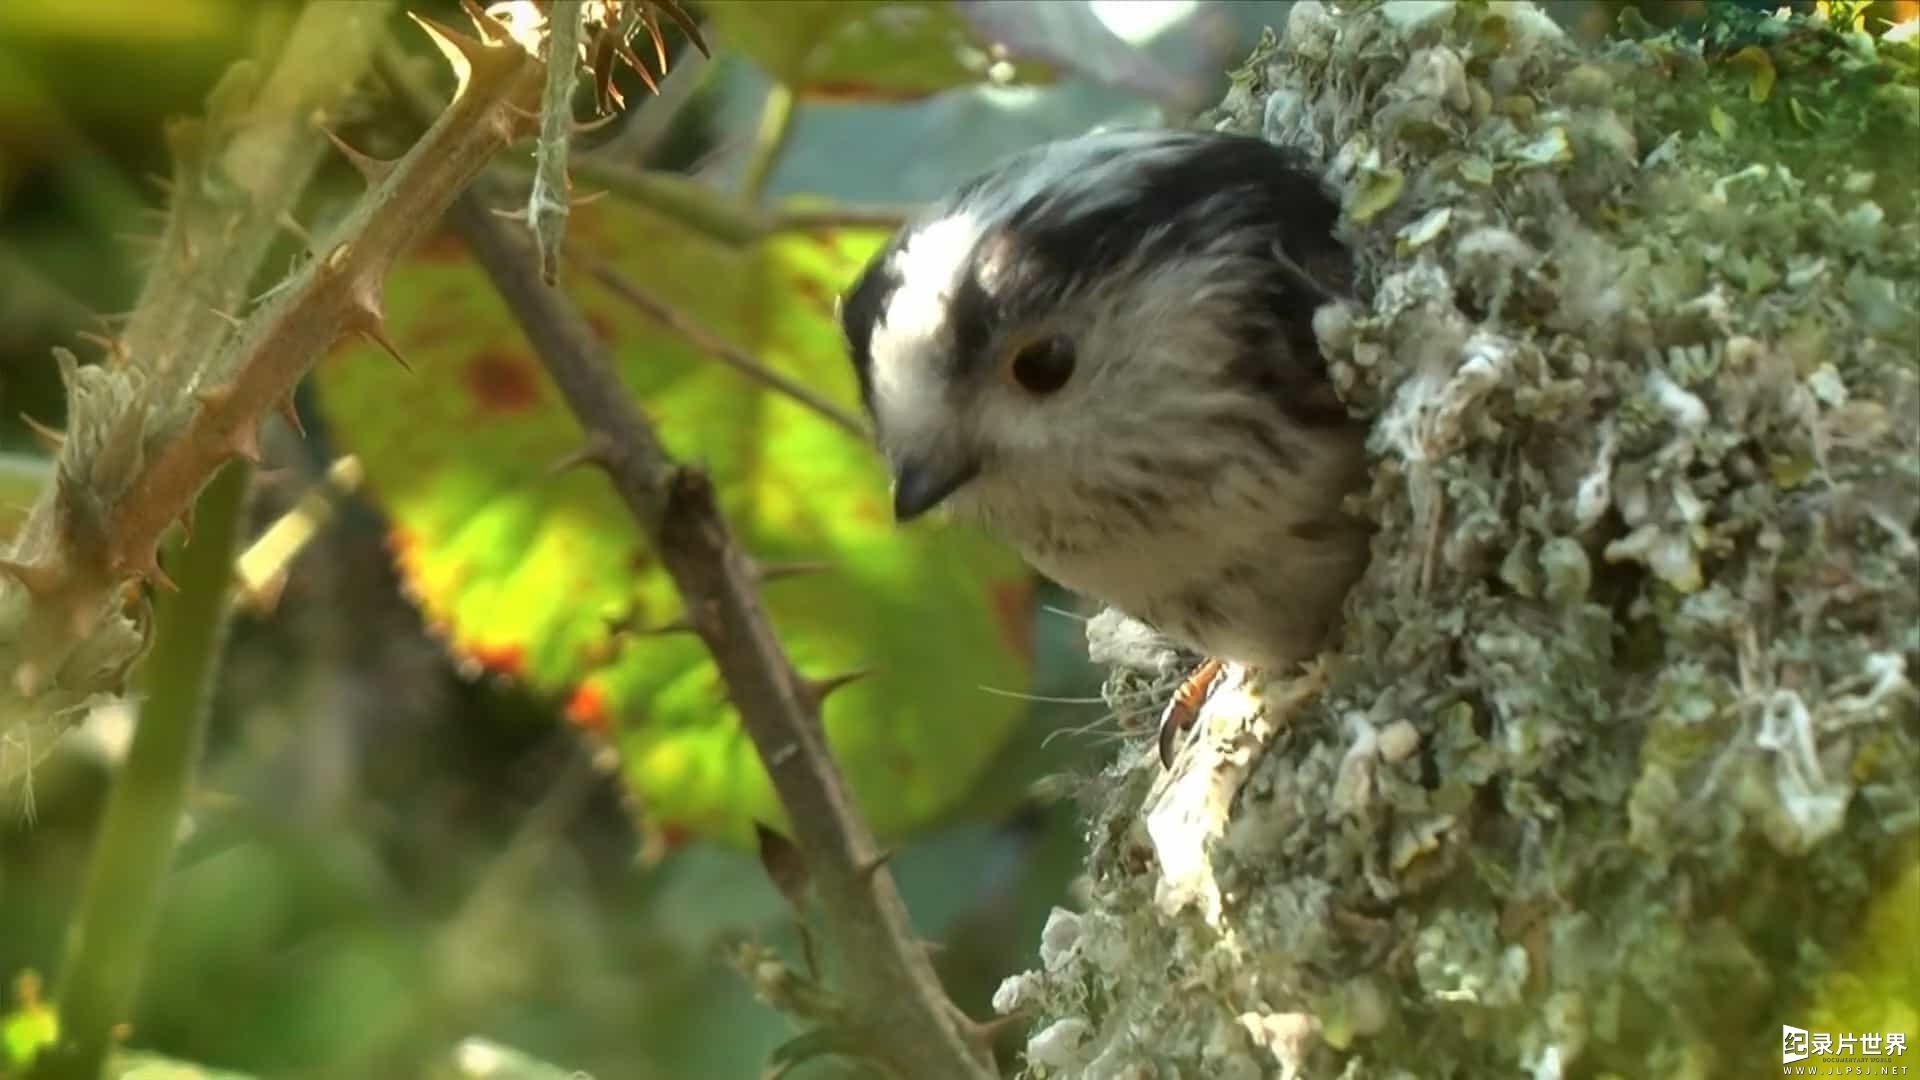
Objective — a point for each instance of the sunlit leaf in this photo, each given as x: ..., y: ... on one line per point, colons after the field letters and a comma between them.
x: 1720, y: 122
x: 30, y: 1026
x: 523, y: 571
x: 1376, y: 191
x: 867, y: 48
x: 1759, y: 68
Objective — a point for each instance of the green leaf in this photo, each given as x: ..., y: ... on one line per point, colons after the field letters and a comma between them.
x: 522, y: 571
x: 891, y: 50
x: 30, y: 1026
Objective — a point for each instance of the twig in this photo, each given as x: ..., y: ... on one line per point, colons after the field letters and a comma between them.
x: 893, y: 1001
x: 261, y: 571
x: 547, y: 204
x: 776, y: 126
x: 708, y: 342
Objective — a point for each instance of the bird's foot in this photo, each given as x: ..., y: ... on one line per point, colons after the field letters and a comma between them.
x: 1181, y: 713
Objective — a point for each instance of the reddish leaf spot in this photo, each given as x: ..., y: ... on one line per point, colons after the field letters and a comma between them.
x: 814, y: 292
x: 674, y: 835
x: 501, y: 382
x: 506, y: 658
x: 588, y: 708
x: 1012, y: 603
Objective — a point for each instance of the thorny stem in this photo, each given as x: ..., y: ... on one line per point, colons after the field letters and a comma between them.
x: 108, y: 937
x: 339, y: 289
x: 547, y: 204
x: 711, y: 343
x: 893, y: 1004
x: 770, y: 141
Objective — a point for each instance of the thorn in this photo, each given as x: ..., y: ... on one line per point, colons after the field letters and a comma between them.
x: 372, y: 168
x: 230, y: 320
x: 50, y: 439
x: 213, y: 398
x: 681, y: 625
x: 146, y: 565
x: 652, y: 23
x: 463, y: 53
x: 158, y: 578
x: 493, y: 30
x: 186, y: 523
x: 246, y: 442
x: 111, y: 346
x: 371, y: 326
x: 292, y: 225
x: 867, y: 869
x: 595, y: 452
x: 291, y: 415
x: 765, y: 572
x: 818, y: 689
x: 686, y: 24
x: 625, y: 52
x: 39, y: 579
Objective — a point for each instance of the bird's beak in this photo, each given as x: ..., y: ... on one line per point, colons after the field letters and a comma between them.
x: 921, y: 485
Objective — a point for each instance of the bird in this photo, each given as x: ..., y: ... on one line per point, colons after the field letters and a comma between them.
x: 1101, y: 350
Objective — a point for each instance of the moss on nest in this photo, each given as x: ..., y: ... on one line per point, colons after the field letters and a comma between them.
x: 1622, y: 737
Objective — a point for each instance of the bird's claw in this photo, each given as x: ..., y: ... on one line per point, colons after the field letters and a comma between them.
x: 1181, y: 713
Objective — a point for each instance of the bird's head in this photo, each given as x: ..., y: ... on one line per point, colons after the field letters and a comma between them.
x: 1092, y: 312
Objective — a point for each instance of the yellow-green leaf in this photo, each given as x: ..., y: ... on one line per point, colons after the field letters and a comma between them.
x: 30, y: 1026
x: 1760, y: 72
x: 1375, y: 192
x: 1720, y: 122
x: 523, y: 572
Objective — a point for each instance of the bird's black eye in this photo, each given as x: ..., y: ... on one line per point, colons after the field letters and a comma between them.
x: 1043, y: 366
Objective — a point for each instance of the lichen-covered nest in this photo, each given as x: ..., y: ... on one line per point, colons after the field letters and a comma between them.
x: 1620, y: 744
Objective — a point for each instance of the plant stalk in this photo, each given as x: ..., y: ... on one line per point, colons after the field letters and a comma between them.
x: 134, y: 848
